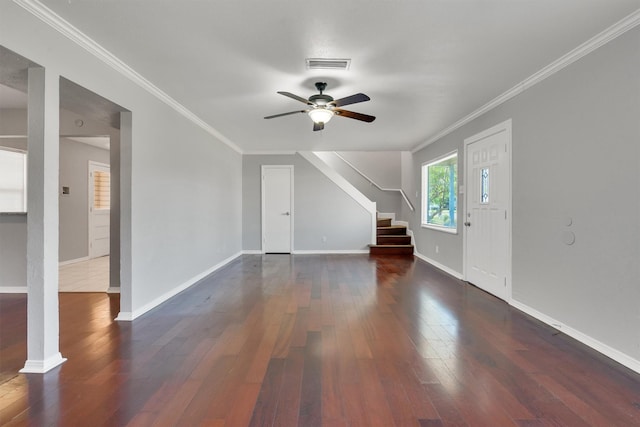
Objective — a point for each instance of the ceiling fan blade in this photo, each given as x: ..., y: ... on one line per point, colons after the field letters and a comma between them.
x: 318, y: 126
x: 353, y: 115
x: 286, y: 114
x: 353, y: 99
x: 296, y: 97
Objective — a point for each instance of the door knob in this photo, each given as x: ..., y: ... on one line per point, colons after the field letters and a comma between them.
x: 467, y: 224
x: 286, y: 213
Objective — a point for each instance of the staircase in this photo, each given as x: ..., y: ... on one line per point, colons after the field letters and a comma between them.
x: 391, y: 239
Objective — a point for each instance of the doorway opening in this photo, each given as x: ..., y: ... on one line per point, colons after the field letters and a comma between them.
x: 88, y: 233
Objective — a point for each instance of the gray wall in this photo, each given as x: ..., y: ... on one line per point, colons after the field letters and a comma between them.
x: 321, y: 209
x: 386, y: 201
x: 408, y: 185
x: 13, y: 250
x: 74, y: 173
x: 13, y: 121
x: 576, y: 153
x: 186, y: 191
x: 383, y: 167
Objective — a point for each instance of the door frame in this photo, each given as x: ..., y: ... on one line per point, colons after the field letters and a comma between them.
x: 505, y: 126
x: 90, y: 182
x: 263, y: 168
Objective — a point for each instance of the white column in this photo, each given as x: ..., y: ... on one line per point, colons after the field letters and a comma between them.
x: 42, y: 222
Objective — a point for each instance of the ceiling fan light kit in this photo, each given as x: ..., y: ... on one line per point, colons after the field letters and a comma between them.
x: 323, y: 107
x: 321, y: 115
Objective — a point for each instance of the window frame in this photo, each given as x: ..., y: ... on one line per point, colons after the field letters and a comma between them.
x: 425, y: 192
x: 24, y: 179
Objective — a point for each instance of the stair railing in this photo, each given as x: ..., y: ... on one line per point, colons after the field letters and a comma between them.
x: 372, y: 182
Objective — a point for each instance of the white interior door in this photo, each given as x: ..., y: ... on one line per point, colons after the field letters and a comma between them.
x: 487, y: 219
x: 99, y: 209
x: 277, y: 212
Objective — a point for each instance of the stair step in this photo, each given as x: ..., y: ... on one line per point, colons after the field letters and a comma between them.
x: 384, y: 222
x: 393, y: 239
x: 391, y: 249
x: 393, y: 229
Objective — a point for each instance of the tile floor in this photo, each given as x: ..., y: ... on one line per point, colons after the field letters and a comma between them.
x: 85, y: 276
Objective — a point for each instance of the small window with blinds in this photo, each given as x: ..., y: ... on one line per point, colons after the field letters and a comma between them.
x: 101, y: 190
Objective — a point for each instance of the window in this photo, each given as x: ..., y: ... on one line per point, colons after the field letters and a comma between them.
x: 13, y: 181
x: 484, y: 186
x: 439, y: 193
x: 101, y: 190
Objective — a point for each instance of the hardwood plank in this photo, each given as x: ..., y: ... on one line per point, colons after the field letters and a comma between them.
x: 378, y: 410
x: 355, y: 407
x: 258, y: 367
x: 315, y: 315
x: 331, y: 399
x: 299, y: 334
x: 311, y: 389
x: 241, y: 410
x: 268, y: 398
x: 289, y: 402
x: 285, y: 334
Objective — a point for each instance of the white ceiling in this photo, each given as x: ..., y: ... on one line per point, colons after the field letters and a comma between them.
x: 424, y: 63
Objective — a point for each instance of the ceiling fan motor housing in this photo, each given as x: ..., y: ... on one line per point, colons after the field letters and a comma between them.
x: 320, y: 99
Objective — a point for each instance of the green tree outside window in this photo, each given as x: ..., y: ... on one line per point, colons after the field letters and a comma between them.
x: 440, y: 188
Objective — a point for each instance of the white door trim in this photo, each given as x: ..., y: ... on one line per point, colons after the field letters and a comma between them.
x: 263, y: 207
x: 505, y: 126
x: 92, y: 164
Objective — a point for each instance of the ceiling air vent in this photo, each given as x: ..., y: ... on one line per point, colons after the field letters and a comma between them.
x: 328, y: 64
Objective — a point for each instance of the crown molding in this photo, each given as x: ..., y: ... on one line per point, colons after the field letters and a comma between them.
x: 616, y: 30
x: 59, y: 24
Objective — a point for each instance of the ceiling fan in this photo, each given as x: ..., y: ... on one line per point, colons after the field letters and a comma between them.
x: 321, y: 107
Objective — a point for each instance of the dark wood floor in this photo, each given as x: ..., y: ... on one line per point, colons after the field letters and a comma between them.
x: 309, y: 341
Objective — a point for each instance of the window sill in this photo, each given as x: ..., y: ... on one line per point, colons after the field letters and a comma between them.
x: 443, y: 229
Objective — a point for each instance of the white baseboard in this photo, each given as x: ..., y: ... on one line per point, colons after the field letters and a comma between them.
x: 124, y: 316
x: 608, y: 351
x: 436, y: 264
x: 313, y: 252
x: 331, y: 251
x: 13, y: 289
x: 113, y: 290
x: 73, y: 261
x: 42, y: 366
x: 129, y: 316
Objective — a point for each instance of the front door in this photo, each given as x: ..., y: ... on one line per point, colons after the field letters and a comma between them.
x: 99, y: 209
x: 277, y: 212
x: 487, y: 223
